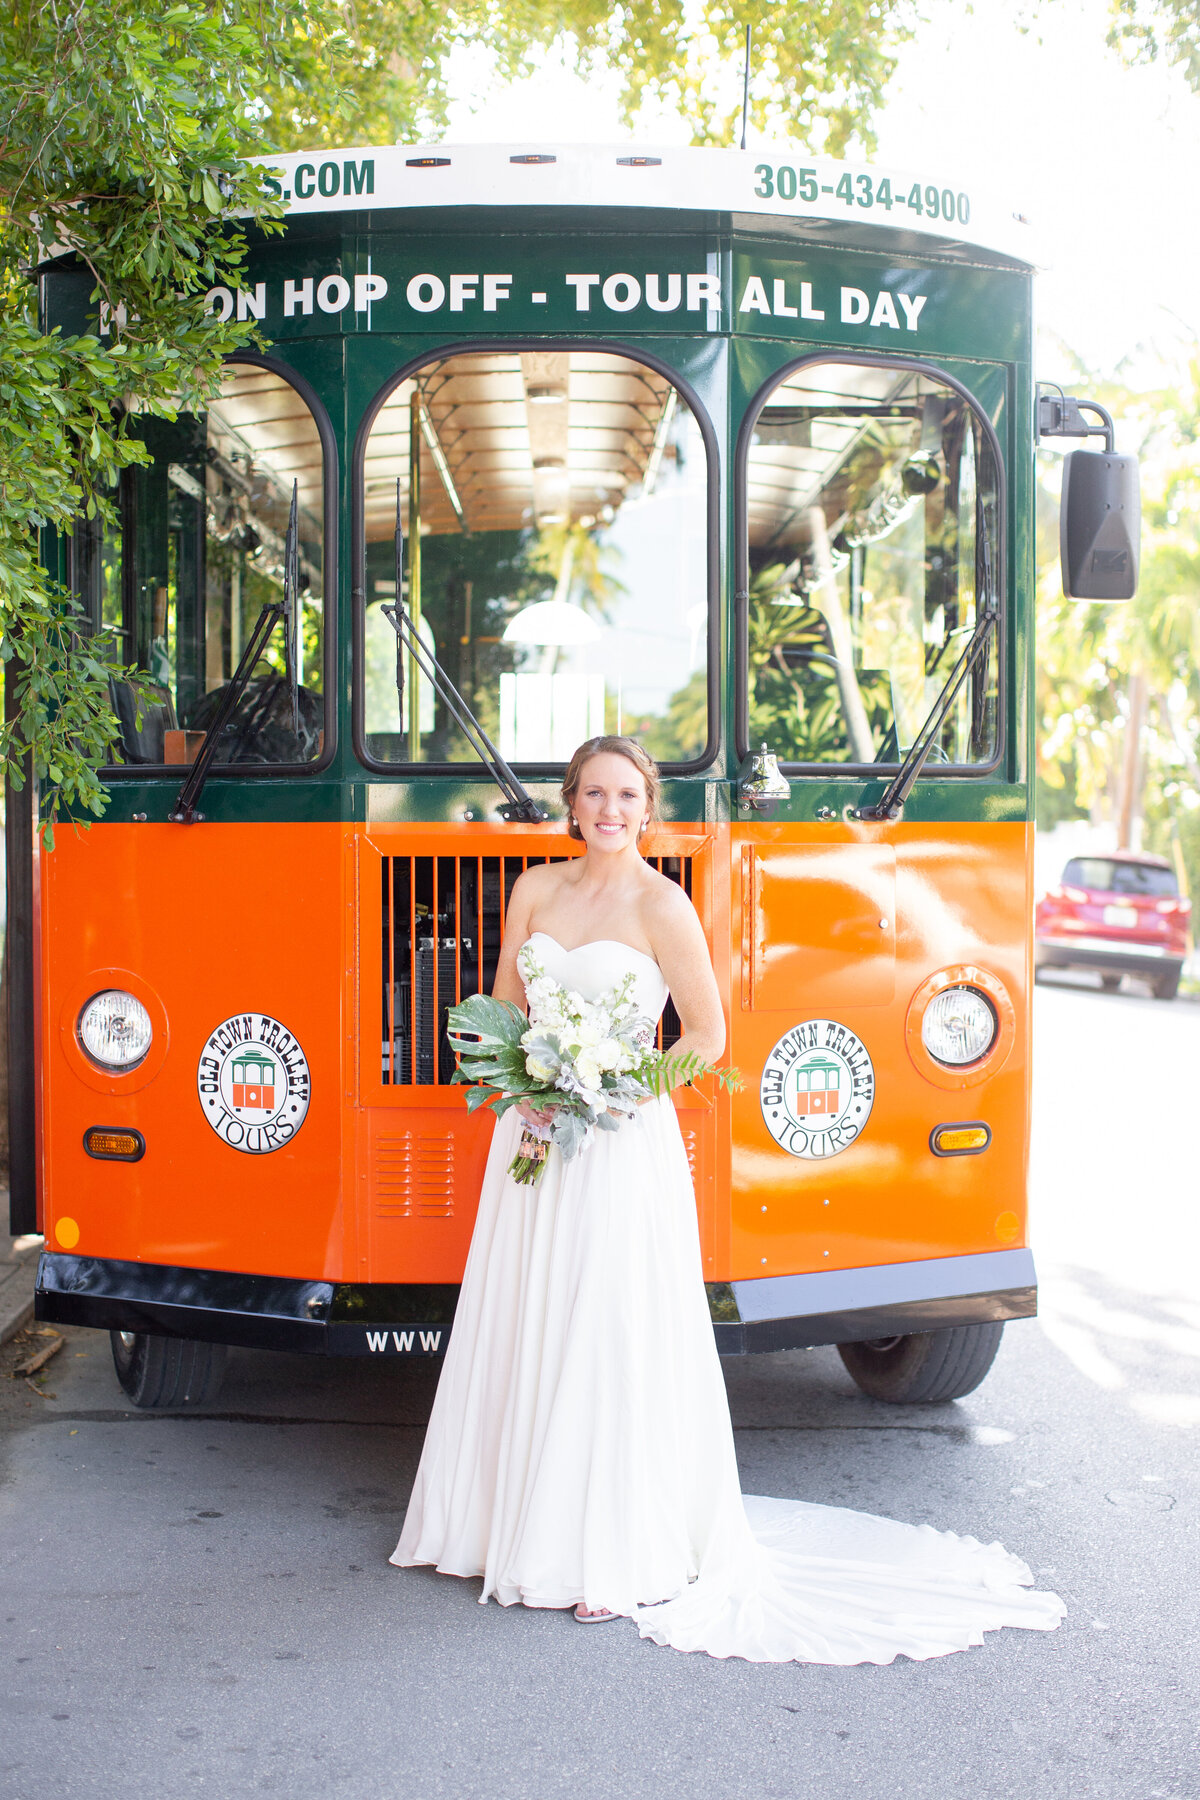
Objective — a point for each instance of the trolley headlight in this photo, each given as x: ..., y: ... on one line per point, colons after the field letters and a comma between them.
x: 115, y: 1029
x: 959, y: 1026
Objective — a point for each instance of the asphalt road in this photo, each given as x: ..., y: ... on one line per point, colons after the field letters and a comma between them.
x: 203, y: 1604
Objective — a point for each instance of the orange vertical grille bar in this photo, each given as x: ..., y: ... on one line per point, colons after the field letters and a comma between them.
x: 412, y: 969
x: 458, y: 930
x: 435, y: 1059
x: 389, y: 1007
x: 479, y: 977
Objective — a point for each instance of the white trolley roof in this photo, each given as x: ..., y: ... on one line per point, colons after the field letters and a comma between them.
x: 781, y: 182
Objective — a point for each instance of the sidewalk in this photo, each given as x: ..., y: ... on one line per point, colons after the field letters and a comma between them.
x: 18, y: 1269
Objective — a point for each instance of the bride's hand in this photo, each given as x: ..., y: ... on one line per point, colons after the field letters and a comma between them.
x: 534, y: 1115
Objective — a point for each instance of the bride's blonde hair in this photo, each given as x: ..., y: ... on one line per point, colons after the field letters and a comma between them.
x: 609, y: 746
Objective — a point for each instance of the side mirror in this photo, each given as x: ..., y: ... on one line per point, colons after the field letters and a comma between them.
x: 1100, y: 515
x: 1100, y: 523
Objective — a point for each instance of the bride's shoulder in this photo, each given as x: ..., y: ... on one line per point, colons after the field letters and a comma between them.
x: 665, y: 906
x: 538, y: 880
x: 535, y: 886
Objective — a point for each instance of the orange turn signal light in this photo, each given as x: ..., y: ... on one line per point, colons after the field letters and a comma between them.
x: 111, y: 1145
x: 966, y: 1139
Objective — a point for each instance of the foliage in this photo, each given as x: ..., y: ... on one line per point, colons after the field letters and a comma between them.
x: 123, y: 141
x: 580, y: 565
x: 818, y: 73
x: 1170, y: 28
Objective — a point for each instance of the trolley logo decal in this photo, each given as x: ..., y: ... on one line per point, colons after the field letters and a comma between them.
x: 817, y: 1089
x: 253, y: 1083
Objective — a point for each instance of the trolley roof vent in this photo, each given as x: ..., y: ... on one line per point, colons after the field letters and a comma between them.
x: 639, y: 162
x: 533, y: 158
x: 427, y: 162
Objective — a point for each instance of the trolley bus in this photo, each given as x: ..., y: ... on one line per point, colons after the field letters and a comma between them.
x: 730, y: 451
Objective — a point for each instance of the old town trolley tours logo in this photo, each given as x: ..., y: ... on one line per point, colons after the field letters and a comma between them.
x: 817, y: 1088
x: 253, y: 1083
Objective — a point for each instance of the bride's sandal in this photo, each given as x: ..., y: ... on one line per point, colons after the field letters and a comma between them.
x: 600, y: 1617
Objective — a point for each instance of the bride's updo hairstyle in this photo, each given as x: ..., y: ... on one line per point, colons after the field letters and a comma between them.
x: 608, y: 746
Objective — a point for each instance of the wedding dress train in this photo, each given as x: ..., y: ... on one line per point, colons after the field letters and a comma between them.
x: 580, y: 1446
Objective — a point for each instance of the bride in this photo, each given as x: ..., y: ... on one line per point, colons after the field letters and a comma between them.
x: 580, y: 1452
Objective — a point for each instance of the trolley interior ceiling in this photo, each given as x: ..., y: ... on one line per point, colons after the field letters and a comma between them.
x: 261, y: 419
x: 542, y: 437
x: 821, y: 436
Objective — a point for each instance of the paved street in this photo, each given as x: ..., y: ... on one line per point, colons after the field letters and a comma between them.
x: 203, y: 1604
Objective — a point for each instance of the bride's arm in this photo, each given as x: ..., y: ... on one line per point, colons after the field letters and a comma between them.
x: 508, y: 984
x: 682, y: 952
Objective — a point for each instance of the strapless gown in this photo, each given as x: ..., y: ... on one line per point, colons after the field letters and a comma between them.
x: 580, y: 1447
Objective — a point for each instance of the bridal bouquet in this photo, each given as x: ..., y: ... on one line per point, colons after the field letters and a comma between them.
x: 586, y: 1062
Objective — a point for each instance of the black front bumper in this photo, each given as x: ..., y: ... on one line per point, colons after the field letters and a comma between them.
x: 321, y: 1318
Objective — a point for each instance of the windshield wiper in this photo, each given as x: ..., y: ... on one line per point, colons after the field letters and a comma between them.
x: 273, y: 613
x: 520, y: 807
x: 891, y: 802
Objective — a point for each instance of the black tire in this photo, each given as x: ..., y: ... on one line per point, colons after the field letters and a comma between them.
x: 167, y: 1374
x: 926, y: 1367
x: 1110, y: 983
x: 1167, y: 986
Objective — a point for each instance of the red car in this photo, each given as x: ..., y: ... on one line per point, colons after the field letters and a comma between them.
x: 1120, y: 913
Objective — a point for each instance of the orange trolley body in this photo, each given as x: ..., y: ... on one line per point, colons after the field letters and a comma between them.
x: 836, y: 401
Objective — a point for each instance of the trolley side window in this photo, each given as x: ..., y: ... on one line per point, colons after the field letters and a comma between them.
x: 872, y: 524
x: 554, y: 509
x: 199, y: 554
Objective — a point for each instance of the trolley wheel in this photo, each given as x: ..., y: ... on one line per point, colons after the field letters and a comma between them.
x: 1167, y: 986
x: 926, y: 1367
x: 1110, y: 983
x: 167, y: 1374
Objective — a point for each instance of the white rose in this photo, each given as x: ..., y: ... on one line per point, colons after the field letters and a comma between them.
x: 587, y: 1069
x: 609, y: 1053
x: 539, y: 1070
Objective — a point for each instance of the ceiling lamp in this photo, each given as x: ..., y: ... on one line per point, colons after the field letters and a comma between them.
x: 551, y: 623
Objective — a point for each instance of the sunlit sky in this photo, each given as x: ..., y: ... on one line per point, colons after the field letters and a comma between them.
x: 1104, y: 159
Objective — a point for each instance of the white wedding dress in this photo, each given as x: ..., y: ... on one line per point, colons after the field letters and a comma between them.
x: 580, y: 1446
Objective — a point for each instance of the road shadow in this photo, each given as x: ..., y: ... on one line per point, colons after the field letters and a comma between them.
x: 1140, y: 1345
x: 1133, y: 988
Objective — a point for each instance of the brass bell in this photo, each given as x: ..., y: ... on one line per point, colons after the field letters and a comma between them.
x: 762, y: 783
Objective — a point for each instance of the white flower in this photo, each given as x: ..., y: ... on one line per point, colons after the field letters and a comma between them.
x: 588, y: 1069
x: 541, y: 1071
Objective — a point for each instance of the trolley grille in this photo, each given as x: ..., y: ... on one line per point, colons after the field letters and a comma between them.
x: 443, y: 923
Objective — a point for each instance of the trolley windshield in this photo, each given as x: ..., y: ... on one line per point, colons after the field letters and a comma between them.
x: 872, y: 525
x: 199, y: 554
x: 554, y: 505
